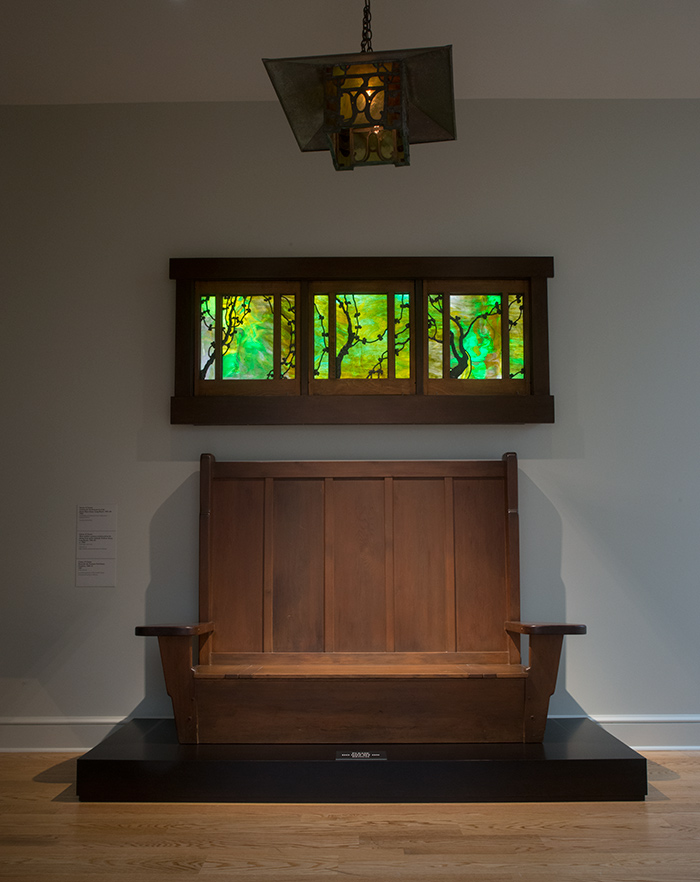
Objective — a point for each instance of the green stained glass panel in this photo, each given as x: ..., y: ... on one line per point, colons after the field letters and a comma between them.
x: 288, y: 337
x: 402, y: 338
x: 516, y: 343
x: 207, y: 338
x: 247, y: 337
x: 475, y: 336
x: 361, y: 336
x: 321, y: 336
x: 435, y: 336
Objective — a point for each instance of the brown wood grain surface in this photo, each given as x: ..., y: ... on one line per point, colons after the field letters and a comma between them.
x: 386, y: 577
x: 46, y: 835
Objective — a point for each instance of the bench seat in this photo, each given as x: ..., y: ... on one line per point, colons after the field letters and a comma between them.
x: 366, y: 669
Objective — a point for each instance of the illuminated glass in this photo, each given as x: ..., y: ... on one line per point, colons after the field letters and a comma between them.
x: 321, y: 336
x: 208, y: 338
x: 256, y: 334
x: 474, y: 336
x: 288, y: 337
x: 516, y: 336
x: 356, y: 327
x: 361, y: 336
x: 402, y: 336
x: 435, y: 336
x: 247, y: 329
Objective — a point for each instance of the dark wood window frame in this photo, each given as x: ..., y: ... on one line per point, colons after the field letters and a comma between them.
x: 536, y: 405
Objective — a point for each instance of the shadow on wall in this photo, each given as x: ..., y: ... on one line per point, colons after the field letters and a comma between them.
x: 172, y: 595
x: 542, y: 591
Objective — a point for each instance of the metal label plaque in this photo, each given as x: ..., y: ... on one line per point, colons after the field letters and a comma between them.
x: 360, y: 754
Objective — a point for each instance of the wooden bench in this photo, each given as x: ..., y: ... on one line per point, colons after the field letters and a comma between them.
x: 359, y: 602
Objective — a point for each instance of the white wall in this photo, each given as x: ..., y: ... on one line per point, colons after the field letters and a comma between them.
x: 96, y: 198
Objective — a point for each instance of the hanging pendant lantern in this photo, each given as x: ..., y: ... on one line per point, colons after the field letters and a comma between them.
x: 367, y: 107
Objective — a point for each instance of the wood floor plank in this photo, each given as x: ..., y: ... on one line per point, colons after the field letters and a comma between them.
x: 46, y: 835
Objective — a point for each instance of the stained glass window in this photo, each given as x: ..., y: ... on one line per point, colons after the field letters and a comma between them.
x: 361, y: 334
x: 467, y: 336
x: 247, y: 332
x: 466, y: 346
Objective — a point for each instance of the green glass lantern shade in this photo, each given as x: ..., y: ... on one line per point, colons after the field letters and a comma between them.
x: 367, y: 107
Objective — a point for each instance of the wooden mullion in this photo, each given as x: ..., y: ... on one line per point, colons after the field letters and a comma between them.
x: 505, y: 336
x: 445, y: 336
x: 331, y: 336
x: 304, y: 337
x: 218, y: 336
x: 277, y: 336
x: 418, y: 318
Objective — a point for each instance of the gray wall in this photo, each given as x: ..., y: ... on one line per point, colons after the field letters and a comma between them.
x: 96, y: 198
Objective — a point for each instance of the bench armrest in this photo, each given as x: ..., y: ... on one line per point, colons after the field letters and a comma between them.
x: 175, y: 630
x: 544, y: 628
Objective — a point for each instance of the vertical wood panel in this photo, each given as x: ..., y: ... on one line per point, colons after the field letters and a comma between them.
x: 480, y: 562
x: 269, y: 557
x: 298, y: 566
x: 329, y: 566
x: 237, y: 564
x: 419, y: 565
x: 359, y: 566
x: 389, y: 563
x: 450, y: 597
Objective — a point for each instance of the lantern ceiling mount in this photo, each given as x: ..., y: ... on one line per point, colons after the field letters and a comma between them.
x: 367, y: 107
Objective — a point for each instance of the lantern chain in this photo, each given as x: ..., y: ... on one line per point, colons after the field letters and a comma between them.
x: 367, y: 28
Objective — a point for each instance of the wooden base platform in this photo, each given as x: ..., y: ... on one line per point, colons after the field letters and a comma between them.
x: 578, y: 761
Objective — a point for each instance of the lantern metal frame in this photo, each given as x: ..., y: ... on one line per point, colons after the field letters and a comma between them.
x: 418, y: 102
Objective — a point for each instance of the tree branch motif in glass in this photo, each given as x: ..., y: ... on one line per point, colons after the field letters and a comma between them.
x: 362, y: 336
x: 256, y: 335
x: 473, y: 336
x: 207, y: 337
x: 516, y: 336
x: 471, y: 325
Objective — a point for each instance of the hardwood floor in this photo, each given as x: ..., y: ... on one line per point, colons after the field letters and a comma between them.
x: 46, y: 834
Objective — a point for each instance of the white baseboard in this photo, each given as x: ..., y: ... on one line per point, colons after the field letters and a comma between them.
x: 653, y: 731
x: 54, y: 734
x: 78, y: 734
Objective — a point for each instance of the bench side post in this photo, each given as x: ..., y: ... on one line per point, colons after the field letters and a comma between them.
x: 176, y: 656
x: 205, y: 501
x: 510, y: 461
x: 543, y: 658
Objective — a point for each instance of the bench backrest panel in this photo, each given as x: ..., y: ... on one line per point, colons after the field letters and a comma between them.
x: 359, y: 557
